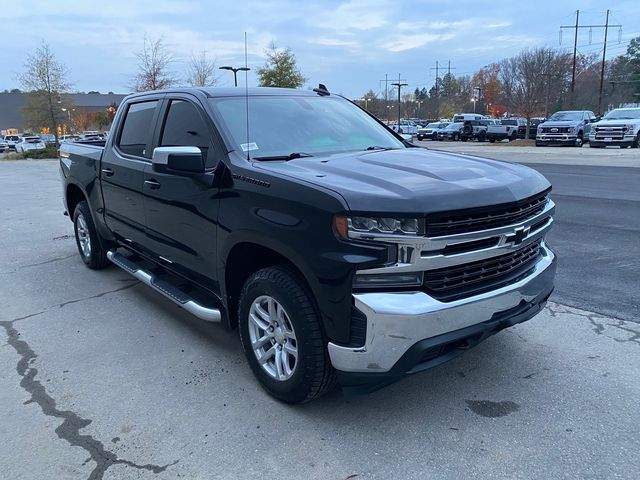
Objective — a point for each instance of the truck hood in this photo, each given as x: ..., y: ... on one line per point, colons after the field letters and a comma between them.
x: 414, y: 180
x: 625, y: 121
x: 560, y: 123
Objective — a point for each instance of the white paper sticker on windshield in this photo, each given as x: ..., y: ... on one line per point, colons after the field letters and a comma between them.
x: 246, y: 147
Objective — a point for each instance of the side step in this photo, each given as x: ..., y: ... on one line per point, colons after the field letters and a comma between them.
x: 172, y: 293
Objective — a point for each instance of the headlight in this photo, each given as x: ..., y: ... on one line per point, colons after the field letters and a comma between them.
x: 630, y: 129
x: 573, y: 129
x: 366, y: 228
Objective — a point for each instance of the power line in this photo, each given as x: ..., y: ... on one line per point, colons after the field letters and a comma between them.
x: 575, y: 28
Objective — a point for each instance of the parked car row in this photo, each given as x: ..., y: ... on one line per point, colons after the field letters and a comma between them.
x: 619, y: 127
x: 21, y: 143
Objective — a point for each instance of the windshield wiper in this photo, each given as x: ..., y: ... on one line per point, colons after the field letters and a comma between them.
x: 378, y: 147
x: 291, y: 156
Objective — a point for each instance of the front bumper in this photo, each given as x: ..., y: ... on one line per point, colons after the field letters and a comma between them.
x: 402, y: 326
x: 556, y: 139
x: 613, y: 140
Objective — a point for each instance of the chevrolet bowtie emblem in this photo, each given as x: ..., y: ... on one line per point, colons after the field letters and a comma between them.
x: 519, y: 235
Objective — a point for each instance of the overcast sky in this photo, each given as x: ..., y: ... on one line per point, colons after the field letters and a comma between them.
x: 347, y: 45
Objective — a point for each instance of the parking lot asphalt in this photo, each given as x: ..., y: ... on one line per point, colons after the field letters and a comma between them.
x: 514, y: 152
x: 100, y: 377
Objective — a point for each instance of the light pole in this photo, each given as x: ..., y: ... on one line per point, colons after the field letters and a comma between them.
x: 235, y: 71
x: 366, y: 102
x: 420, y: 102
x: 474, y: 100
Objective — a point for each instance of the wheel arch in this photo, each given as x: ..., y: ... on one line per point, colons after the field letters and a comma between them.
x: 245, y: 256
x: 74, y: 194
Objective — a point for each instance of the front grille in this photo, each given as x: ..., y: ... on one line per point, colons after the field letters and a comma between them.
x: 555, y: 129
x: 483, y: 218
x: 458, y: 281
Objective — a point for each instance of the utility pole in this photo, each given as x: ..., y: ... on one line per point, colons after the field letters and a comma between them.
x: 604, y: 56
x: 386, y: 86
x: 437, y: 92
x: 437, y: 86
x: 575, y: 48
x: 400, y: 84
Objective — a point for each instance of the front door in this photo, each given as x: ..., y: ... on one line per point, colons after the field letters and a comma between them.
x: 181, y: 212
x: 122, y: 172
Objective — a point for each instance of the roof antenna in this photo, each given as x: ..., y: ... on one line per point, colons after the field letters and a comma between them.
x: 246, y: 93
x: 321, y: 90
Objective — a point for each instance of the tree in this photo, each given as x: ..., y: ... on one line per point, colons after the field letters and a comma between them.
x: 154, y: 61
x: 527, y: 80
x: 111, y: 112
x: 101, y: 120
x: 45, y: 80
x: 281, y: 69
x: 202, y: 71
x: 83, y: 120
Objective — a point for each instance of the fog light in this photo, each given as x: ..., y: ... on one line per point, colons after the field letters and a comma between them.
x: 381, y: 280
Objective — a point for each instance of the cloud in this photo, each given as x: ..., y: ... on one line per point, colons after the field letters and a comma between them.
x: 355, y: 15
x: 408, y: 42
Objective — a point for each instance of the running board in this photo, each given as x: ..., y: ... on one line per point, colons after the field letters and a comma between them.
x: 172, y: 293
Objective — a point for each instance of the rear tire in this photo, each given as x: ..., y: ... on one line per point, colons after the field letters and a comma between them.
x: 92, y: 248
x: 289, y: 321
x: 482, y: 136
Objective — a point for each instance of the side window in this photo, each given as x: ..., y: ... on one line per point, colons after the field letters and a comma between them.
x: 184, y: 126
x: 137, y: 128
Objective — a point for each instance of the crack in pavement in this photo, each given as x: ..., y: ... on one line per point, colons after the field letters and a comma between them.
x: 78, y: 300
x: 72, y: 423
x: 599, y: 323
x: 98, y: 295
x: 51, y: 260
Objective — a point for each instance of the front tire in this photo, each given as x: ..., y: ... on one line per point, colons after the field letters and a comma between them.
x: 636, y: 142
x: 90, y: 246
x: 282, y: 336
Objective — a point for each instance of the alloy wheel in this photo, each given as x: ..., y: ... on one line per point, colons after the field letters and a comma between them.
x: 273, y: 339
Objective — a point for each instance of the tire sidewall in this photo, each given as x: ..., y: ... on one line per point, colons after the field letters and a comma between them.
x: 93, y: 260
x: 294, y: 389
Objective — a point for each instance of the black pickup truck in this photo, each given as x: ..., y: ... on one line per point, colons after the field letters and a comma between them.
x: 339, y: 250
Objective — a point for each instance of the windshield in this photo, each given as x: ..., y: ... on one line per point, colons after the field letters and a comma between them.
x: 454, y: 126
x: 281, y: 125
x: 623, y: 114
x: 572, y: 116
x: 433, y: 125
x: 509, y: 122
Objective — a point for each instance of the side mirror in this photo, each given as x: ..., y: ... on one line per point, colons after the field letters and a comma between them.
x: 178, y: 160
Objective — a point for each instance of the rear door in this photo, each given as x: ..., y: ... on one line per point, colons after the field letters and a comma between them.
x: 122, y: 171
x: 182, y: 211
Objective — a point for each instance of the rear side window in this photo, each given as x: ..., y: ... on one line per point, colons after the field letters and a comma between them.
x: 184, y: 126
x: 137, y: 127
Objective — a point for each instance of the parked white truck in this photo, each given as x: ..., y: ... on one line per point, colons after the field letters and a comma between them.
x: 619, y: 127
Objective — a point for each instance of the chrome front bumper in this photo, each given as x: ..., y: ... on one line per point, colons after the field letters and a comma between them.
x: 397, y: 321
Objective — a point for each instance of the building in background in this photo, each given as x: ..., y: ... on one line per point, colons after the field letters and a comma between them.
x: 83, y: 104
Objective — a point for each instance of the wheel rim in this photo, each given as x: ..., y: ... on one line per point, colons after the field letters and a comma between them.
x: 273, y: 339
x: 83, y: 235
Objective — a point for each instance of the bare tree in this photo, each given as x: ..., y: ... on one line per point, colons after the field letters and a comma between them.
x: 45, y: 80
x: 527, y: 80
x: 153, y: 67
x: 202, y: 71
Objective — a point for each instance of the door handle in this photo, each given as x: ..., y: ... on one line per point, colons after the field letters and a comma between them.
x: 107, y: 172
x: 152, y: 184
